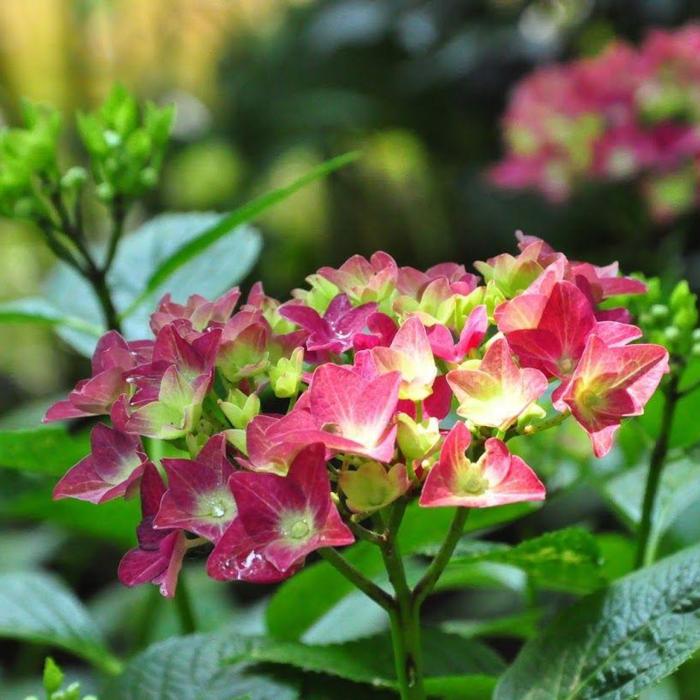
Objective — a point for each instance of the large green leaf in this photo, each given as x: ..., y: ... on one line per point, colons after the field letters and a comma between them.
x: 27, y: 549
x: 198, y: 667
x: 41, y: 311
x: 49, y: 450
x: 679, y: 488
x: 31, y: 501
x: 322, y: 588
x: 617, y: 642
x: 567, y: 560
x: 370, y: 660
x: 39, y: 608
x: 227, y: 262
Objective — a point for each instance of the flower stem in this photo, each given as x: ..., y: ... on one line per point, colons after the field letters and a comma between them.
x: 405, y: 617
x: 437, y: 566
x: 357, y: 578
x: 645, y: 548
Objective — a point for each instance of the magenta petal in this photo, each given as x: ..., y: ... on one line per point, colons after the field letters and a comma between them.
x: 160, y: 566
x: 234, y: 558
x: 115, y: 464
x: 439, y: 403
x: 64, y: 410
x: 351, y: 406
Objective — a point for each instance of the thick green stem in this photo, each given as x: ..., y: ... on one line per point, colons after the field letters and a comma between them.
x: 645, y: 550
x: 405, y: 618
x: 405, y: 636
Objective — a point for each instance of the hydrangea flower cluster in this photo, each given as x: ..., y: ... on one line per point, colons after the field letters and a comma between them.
x: 293, y: 422
x: 627, y: 113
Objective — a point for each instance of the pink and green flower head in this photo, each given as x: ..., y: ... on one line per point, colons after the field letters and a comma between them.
x: 611, y: 383
x: 495, y: 479
x: 364, y: 280
x: 158, y: 557
x: 199, y: 498
x: 498, y: 391
x: 287, y: 518
x: 410, y: 355
x: 111, y: 470
x: 372, y: 486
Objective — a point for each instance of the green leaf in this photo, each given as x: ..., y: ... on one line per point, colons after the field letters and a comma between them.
x: 49, y: 450
x: 198, y: 667
x: 370, y: 660
x: 244, y: 214
x: 566, y: 560
x: 679, y: 488
x: 139, y: 254
x: 521, y: 625
x: 38, y: 310
x: 113, y: 522
x: 461, y: 687
x: 29, y: 548
x: 322, y: 588
x: 617, y: 642
x: 37, y: 607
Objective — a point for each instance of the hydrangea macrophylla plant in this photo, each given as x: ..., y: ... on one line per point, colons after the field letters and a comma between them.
x: 296, y: 428
x: 627, y: 113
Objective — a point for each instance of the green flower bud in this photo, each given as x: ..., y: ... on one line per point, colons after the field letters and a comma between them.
x: 74, y: 178
x: 237, y: 439
x: 105, y: 192
x: 53, y: 676
x: 531, y: 416
x: 416, y: 439
x: 112, y: 138
x: 285, y: 376
x: 240, y: 408
x: 671, y: 333
x: 149, y: 177
x: 659, y: 311
x: 681, y: 295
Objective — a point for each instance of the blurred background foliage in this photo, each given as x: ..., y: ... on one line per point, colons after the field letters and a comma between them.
x: 266, y: 89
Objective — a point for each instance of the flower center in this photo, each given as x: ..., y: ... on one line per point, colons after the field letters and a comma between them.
x: 297, y: 526
x: 299, y: 530
x: 471, y: 481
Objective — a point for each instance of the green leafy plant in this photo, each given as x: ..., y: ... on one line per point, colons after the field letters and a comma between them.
x: 362, y: 446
